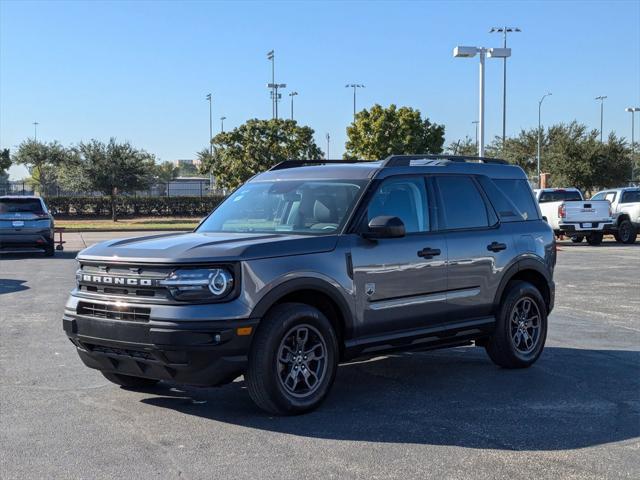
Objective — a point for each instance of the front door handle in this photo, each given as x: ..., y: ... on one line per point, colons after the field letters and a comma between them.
x: 429, y: 252
x: 496, y: 246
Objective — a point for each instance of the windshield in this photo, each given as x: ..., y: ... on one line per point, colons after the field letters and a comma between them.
x: 21, y: 205
x: 297, y: 206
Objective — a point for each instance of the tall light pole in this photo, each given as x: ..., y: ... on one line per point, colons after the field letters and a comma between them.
x: 271, y: 56
x: 222, y: 119
x: 468, y: 52
x: 504, y: 31
x: 540, y: 133
x: 355, y: 86
x: 276, y: 96
x: 476, y: 124
x: 35, y: 131
x: 292, y: 94
x: 210, y: 125
x: 601, y: 98
x: 633, y: 111
x: 328, y: 144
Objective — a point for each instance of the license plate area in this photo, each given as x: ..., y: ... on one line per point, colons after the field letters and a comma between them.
x: 17, y: 223
x: 587, y: 225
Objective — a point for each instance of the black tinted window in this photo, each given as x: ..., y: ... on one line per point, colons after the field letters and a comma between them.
x: 560, y: 196
x: 462, y: 203
x: 22, y: 205
x: 405, y: 198
x: 520, y: 193
x: 505, y: 208
x: 631, y: 197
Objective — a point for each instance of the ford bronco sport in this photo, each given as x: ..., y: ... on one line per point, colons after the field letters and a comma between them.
x: 313, y: 263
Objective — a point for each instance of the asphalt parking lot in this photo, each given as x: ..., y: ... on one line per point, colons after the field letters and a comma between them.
x: 442, y: 414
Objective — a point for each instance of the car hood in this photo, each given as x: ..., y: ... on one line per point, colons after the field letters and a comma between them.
x: 205, y: 247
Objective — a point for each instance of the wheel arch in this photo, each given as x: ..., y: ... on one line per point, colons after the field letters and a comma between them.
x: 528, y: 270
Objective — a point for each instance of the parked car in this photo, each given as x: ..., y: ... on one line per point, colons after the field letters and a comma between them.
x: 568, y: 214
x: 314, y: 263
x: 25, y: 225
x: 625, y: 207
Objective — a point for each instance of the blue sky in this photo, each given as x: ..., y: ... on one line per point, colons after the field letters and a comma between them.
x: 140, y: 71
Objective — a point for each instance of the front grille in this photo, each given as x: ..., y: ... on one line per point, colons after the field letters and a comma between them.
x: 120, y: 351
x: 133, y: 293
x: 113, y: 312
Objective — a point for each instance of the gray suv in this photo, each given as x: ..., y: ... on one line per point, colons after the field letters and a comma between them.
x: 314, y: 263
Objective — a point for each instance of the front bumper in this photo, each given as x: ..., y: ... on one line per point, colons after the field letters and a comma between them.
x: 586, y: 226
x: 204, y: 353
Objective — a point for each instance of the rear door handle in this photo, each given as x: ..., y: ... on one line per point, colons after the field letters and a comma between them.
x: 496, y: 246
x: 429, y: 252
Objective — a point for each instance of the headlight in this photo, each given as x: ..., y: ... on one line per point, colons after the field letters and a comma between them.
x: 199, y: 284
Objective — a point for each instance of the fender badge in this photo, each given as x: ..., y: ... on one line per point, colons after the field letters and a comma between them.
x: 370, y: 289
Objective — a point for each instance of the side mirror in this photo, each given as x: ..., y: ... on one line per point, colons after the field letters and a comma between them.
x: 385, y: 227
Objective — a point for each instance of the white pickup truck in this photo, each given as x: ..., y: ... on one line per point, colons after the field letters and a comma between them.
x: 569, y: 214
x: 625, y: 206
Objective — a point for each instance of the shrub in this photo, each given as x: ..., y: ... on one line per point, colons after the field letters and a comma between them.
x: 194, y: 206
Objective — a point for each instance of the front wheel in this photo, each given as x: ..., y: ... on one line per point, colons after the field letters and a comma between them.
x: 626, y: 232
x: 521, y: 327
x: 595, y: 238
x: 577, y: 238
x: 293, y: 360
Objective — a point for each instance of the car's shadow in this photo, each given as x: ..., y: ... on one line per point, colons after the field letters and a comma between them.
x: 572, y: 398
x: 59, y: 255
x: 8, y: 285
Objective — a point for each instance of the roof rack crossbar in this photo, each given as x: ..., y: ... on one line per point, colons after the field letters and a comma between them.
x: 300, y: 163
x: 405, y: 160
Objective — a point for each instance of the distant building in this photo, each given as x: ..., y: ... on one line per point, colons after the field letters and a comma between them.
x: 186, y: 163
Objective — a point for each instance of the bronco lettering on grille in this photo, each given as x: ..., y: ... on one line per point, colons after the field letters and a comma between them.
x: 132, y: 282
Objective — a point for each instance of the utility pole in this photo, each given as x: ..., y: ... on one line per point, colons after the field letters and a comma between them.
x: 328, y: 143
x: 601, y: 98
x: 633, y: 111
x: 35, y: 131
x: 504, y: 31
x: 355, y: 86
x: 210, y: 125
x: 540, y: 133
x: 292, y: 94
x: 222, y: 119
x: 271, y: 55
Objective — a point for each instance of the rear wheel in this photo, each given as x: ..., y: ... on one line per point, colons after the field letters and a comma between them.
x: 594, y: 238
x: 128, y: 381
x: 521, y: 327
x: 293, y: 360
x: 577, y: 238
x: 49, y: 250
x: 626, y: 232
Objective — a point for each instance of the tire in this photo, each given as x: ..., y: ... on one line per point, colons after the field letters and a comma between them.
x: 49, y: 250
x: 617, y: 237
x: 626, y: 232
x: 502, y: 346
x: 280, y: 332
x: 595, y: 238
x: 128, y: 381
x: 577, y: 238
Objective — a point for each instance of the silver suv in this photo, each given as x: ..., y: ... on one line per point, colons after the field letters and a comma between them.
x: 313, y: 263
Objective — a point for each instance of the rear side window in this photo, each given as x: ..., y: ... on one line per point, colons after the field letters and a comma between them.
x: 462, y: 203
x: 506, y: 209
x: 560, y: 196
x: 631, y: 197
x: 520, y: 194
x: 21, y: 205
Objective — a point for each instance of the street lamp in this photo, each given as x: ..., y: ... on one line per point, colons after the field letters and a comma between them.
x: 208, y: 97
x: 271, y: 56
x: 601, y: 98
x: 222, y: 119
x: 292, y: 94
x: 475, y: 122
x: 328, y: 143
x: 468, y: 52
x: 35, y: 131
x: 355, y: 86
x: 276, y: 96
x: 540, y: 132
x: 504, y: 31
x: 632, y: 111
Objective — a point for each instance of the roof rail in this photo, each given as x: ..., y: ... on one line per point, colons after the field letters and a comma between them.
x: 405, y: 160
x: 301, y: 163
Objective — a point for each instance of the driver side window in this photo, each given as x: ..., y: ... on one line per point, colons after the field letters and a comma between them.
x: 405, y: 198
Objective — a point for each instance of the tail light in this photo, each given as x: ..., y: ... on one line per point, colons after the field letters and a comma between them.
x: 562, y: 211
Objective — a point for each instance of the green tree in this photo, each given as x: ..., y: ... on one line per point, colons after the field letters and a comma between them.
x: 5, y: 163
x: 111, y: 169
x: 256, y: 146
x: 166, y: 171
x: 42, y: 160
x: 380, y: 132
x: 465, y: 147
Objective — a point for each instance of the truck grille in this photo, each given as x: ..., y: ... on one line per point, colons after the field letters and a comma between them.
x: 114, y: 312
x: 135, y: 283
